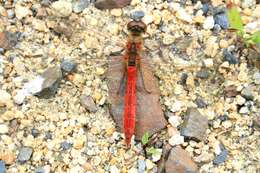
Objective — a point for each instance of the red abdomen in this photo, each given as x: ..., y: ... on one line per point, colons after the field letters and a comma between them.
x: 130, y: 104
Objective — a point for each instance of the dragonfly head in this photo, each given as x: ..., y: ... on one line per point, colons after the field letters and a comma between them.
x: 136, y: 27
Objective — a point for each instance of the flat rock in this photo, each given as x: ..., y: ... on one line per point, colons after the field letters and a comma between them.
x: 88, y: 103
x: 52, y: 77
x: 195, y: 125
x: 25, y: 154
x: 110, y: 4
x: 149, y: 114
x: 179, y: 161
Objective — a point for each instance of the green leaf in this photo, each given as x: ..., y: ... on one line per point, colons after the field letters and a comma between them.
x: 151, y: 150
x: 256, y: 37
x: 145, y: 138
x: 234, y: 18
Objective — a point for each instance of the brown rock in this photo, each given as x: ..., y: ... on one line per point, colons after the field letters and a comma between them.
x: 194, y: 125
x: 88, y: 103
x: 230, y: 91
x: 63, y: 28
x: 179, y: 161
x: 110, y: 4
x: 8, y: 40
x: 149, y: 114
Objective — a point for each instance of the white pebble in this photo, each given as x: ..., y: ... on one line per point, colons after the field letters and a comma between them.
x: 209, y: 22
x: 183, y: 15
x: 62, y: 8
x: 174, y: 121
x: 176, y: 139
x: 3, y: 129
x: 114, y: 169
x: 208, y: 62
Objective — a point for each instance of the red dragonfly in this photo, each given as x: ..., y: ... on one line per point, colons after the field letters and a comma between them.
x: 130, y: 81
x: 132, y: 58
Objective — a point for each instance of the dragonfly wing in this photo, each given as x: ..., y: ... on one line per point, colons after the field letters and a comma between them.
x: 149, y: 116
x: 116, y: 99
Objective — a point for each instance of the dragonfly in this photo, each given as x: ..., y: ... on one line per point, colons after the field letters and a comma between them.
x: 132, y: 86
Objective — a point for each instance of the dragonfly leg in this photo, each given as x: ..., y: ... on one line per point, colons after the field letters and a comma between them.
x: 142, y: 79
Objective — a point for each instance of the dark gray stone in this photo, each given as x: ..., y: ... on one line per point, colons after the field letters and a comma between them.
x: 35, y: 132
x: 194, y: 125
x: 205, y: 8
x: 222, y: 20
x: 200, y: 102
x: 68, y: 66
x: 229, y: 57
x: 202, y: 74
x: 65, y: 145
x: 25, y: 154
x: 2, y: 167
x: 221, y: 157
x: 48, y: 135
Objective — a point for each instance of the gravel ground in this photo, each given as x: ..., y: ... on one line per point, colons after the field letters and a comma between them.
x: 54, y: 114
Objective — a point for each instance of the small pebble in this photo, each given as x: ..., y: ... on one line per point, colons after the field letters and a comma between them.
x: 200, y: 102
x: 137, y: 15
x: 222, y: 20
x: 65, y: 145
x: 10, y: 14
x: 35, y: 132
x: 80, y: 5
x: 61, y: 8
x: 240, y: 100
x: 183, y: 15
x: 116, y: 12
x: 40, y: 170
x: 114, y: 169
x: 244, y: 110
x: 221, y: 157
x: 2, y: 167
x: 176, y: 139
x: 141, y: 166
x: 208, y: 22
x: 205, y: 8
x: 229, y: 57
x: 25, y: 154
x: 208, y: 62
x: 202, y: 74
x: 149, y: 164
x: 88, y: 103
x: 68, y: 66
x: 257, y: 78
x: 174, y: 120
x: 4, y: 129
x: 247, y: 93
